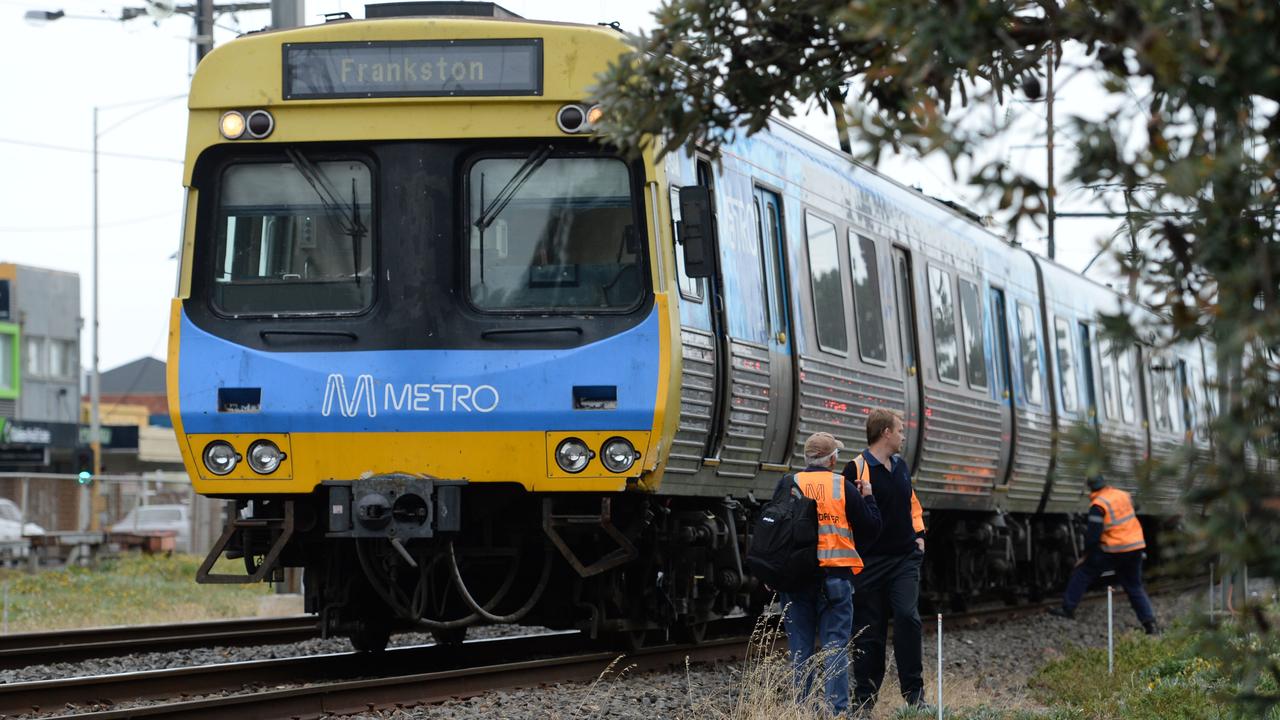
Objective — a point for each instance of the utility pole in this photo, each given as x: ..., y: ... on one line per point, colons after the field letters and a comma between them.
x: 1052, y: 189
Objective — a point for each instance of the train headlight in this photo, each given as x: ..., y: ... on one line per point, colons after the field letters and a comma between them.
x: 572, y: 455
x: 618, y: 455
x: 264, y: 457
x: 232, y: 125
x: 594, y: 115
x: 220, y: 458
x: 571, y: 118
x: 260, y: 124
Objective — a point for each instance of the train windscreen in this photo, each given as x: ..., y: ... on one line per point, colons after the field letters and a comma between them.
x: 553, y: 234
x: 294, y: 238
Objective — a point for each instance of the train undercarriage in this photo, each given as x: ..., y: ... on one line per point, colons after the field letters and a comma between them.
x: 405, y: 553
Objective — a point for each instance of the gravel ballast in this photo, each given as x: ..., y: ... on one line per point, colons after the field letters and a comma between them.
x: 988, y: 664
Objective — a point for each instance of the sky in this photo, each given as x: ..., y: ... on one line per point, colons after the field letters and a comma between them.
x: 137, y: 74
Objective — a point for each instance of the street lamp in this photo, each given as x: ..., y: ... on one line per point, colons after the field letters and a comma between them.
x: 95, y: 378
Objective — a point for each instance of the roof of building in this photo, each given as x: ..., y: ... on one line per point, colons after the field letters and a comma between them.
x: 144, y: 376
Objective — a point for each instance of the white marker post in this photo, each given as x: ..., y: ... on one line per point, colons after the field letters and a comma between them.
x: 1111, y: 636
x: 939, y: 666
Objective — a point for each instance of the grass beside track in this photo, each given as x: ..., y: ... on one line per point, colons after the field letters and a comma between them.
x: 1163, y: 678
x: 1156, y: 678
x: 132, y: 589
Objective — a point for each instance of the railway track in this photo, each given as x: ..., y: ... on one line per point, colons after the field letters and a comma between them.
x: 42, y: 648
x: 345, y: 683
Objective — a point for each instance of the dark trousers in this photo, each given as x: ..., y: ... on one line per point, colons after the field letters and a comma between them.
x: 1128, y: 567
x: 888, y: 587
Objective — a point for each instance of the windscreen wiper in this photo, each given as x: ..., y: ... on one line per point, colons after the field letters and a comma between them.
x: 349, y: 215
x: 508, y: 191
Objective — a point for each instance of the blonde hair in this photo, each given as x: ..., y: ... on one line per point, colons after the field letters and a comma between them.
x: 879, y: 421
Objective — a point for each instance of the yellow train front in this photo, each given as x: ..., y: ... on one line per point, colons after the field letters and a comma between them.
x: 422, y: 335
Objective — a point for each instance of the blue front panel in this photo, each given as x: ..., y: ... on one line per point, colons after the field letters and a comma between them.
x: 419, y: 390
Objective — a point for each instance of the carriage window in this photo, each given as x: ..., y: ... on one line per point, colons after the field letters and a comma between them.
x: 975, y: 355
x: 553, y: 234
x: 1066, y: 364
x: 294, y: 238
x: 824, y: 273
x: 1199, y: 413
x: 1159, y: 376
x: 690, y: 288
x: 1029, y: 350
x: 1108, y: 368
x: 1174, y: 398
x: 867, y: 311
x: 944, y: 325
x: 1127, y: 385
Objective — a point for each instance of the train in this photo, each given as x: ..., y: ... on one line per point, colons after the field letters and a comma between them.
x: 460, y: 362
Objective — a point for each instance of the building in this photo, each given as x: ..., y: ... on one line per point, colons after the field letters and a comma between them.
x: 39, y: 368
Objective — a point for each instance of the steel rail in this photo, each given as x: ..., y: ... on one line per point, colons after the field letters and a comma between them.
x: 44, y: 696
x: 431, y: 687
x: 42, y: 648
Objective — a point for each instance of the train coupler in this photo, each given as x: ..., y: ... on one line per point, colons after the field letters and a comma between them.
x: 397, y: 506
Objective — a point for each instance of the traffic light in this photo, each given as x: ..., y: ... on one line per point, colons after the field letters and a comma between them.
x: 84, y: 465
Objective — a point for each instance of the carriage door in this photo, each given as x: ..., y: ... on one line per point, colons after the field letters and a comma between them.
x: 904, y: 289
x: 777, y: 432
x: 1004, y: 385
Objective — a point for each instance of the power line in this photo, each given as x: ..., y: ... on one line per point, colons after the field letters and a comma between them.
x: 67, y: 148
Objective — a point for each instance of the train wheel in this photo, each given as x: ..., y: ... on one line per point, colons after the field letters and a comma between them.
x: 371, y: 637
x: 450, y: 636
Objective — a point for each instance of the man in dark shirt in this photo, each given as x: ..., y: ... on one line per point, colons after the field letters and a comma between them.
x: 820, y: 614
x: 1113, y: 541
x: 890, y: 580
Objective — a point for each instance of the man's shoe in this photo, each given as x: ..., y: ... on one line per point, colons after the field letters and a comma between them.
x: 1062, y: 612
x: 1151, y: 627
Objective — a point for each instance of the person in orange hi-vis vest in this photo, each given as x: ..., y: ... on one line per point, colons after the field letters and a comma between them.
x: 1113, y: 541
x: 821, y: 613
x: 889, y: 586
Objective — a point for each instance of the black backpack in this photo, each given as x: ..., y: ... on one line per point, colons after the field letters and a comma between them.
x: 784, y: 543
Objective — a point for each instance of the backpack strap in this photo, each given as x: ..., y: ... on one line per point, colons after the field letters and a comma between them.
x: 795, y: 486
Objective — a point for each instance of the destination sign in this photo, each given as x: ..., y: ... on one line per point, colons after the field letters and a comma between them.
x: 426, y: 68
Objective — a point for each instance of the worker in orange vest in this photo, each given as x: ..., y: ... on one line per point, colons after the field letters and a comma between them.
x: 1113, y: 541
x: 820, y: 615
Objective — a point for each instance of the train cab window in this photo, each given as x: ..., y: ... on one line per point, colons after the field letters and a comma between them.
x: 294, y: 238
x: 690, y: 288
x: 867, y: 310
x: 1107, y: 366
x: 945, y: 350
x: 975, y: 352
x: 1066, y: 364
x: 1127, y: 384
x: 824, y: 274
x: 553, y: 234
x: 1029, y: 352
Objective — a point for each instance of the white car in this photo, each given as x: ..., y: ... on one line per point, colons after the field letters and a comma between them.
x: 11, y: 525
x: 157, y: 518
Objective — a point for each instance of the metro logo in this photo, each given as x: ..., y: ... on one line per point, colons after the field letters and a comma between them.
x: 406, y: 398
x: 349, y: 406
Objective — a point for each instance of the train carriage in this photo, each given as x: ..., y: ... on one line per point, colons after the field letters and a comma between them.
x: 462, y: 363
